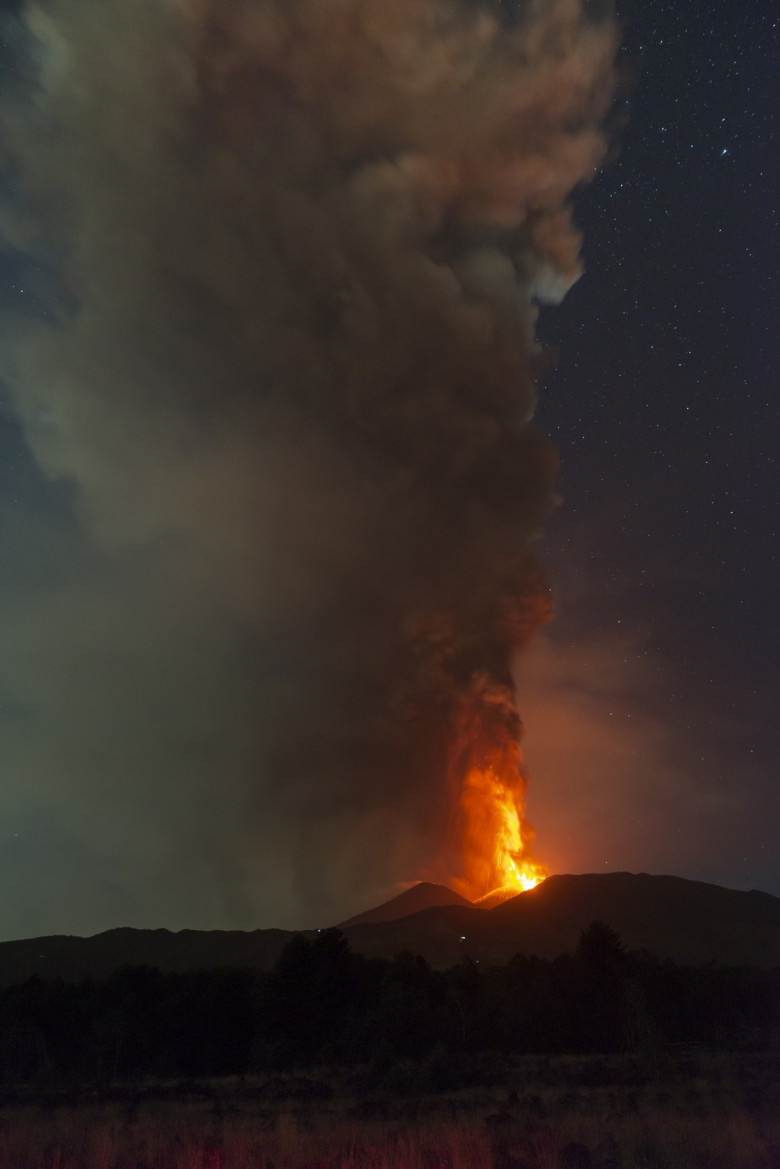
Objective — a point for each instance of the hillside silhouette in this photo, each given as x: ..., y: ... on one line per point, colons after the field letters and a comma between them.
x: 685, y: 922
x: 423, y: 895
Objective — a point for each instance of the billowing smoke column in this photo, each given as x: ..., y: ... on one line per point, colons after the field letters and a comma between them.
x: 290, y: 251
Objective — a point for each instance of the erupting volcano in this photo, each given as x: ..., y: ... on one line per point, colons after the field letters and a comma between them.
x: 291, y: 253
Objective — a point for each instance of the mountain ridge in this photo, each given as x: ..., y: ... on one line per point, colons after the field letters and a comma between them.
x: 423, y: 895
x: 676, y: 919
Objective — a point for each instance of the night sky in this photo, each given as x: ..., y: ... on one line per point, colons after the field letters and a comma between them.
x: 663, y: 409
x: 164, y: 748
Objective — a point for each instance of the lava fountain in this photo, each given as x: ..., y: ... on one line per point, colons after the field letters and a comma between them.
x: 486, y: 772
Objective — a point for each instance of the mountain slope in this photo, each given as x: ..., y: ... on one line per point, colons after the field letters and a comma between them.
x: 424, y: 895
x: 687, y: 922
x: 684, y: 921
x: 74, y: 958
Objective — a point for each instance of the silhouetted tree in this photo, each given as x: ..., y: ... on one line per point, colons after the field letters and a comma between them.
x: 323, y: 1003
x: 601, y: 948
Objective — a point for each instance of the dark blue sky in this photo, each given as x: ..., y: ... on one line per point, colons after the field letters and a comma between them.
x: 664, y: 410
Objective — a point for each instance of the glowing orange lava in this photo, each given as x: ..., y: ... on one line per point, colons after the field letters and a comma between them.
x: 487, y: 777
x: 497, y: 839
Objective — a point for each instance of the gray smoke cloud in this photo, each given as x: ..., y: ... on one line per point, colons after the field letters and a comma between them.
x: 280, y: 405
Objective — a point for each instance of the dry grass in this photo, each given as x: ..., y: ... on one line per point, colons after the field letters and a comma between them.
x: 102, y: 1140
x: 713, y: 1116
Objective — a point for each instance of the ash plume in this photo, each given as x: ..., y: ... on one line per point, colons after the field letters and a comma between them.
x: 279, y: 392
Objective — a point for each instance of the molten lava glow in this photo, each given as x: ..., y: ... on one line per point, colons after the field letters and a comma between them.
x: 497, y: 837
x: 488, y: 787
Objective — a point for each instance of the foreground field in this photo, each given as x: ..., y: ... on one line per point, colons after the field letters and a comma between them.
x: 697, y: 1112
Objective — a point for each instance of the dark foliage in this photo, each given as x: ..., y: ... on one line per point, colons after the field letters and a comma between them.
x: 323, y: 1004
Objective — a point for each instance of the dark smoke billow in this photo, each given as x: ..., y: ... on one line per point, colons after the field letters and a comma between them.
x: 289, y: 253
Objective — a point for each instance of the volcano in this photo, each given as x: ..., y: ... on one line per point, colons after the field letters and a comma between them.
x: 423, y: 895
x: 426, y: 895
x: 687, y: 922
x: 677, y: 920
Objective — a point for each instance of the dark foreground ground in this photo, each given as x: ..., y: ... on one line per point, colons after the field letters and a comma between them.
x: 687, y: 1109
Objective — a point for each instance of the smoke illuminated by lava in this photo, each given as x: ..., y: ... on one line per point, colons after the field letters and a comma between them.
x: 290, y: 252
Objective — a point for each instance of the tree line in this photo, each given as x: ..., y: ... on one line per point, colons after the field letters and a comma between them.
x: 323, y: 1005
